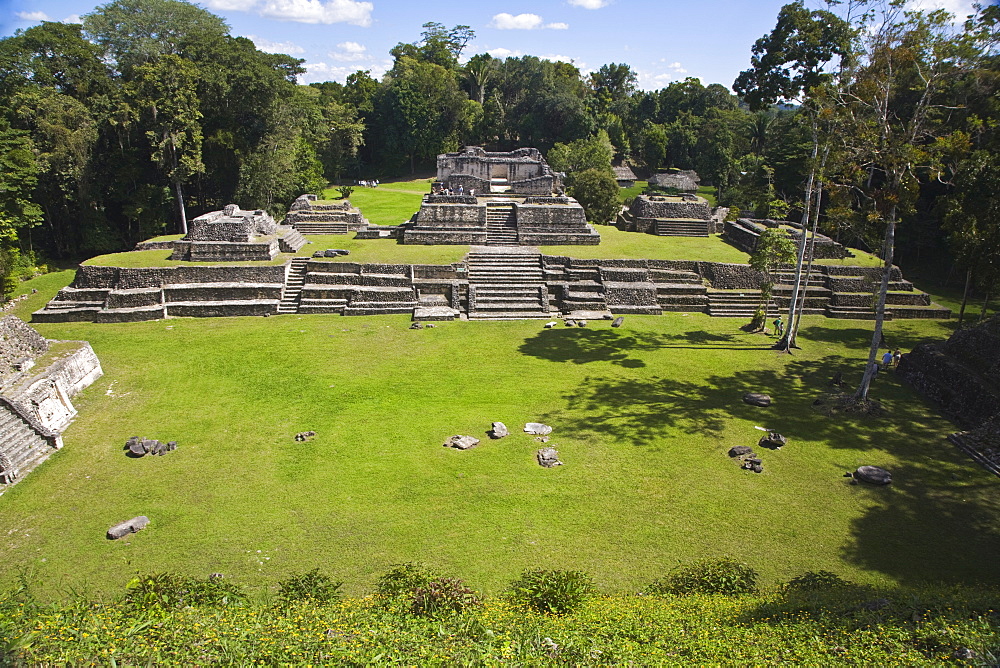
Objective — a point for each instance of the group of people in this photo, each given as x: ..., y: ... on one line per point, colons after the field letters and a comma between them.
x: 369, y: 184
x: 891, y: 359
x: 460, y: 191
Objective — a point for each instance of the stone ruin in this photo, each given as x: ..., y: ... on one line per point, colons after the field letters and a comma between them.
x: 37, y: 383
x: 498, y: 199
x: 744, y: 233
x: 670, y: 216
x: 962, y: 376
x: 309, y: 215
x: 236, y: 235
x: 684, y: 180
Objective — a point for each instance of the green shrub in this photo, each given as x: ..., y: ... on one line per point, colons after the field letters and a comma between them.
x: 442, y: 596
x: 309, y: 586
x: 816, y: 581
x: 345, y: 191
x: 169, y: 590
x: 724, y: 575
x: 556, y: 591
x: 402, y: 579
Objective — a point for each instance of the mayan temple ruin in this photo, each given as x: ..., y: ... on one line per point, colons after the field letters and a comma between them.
x: 483, y: 198
x: 38, y: 379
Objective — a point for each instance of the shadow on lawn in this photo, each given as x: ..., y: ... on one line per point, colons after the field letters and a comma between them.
x: 648, y: 408
x: 581, y: 346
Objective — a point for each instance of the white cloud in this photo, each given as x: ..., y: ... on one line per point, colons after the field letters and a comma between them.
x: 302, y: 11
x: 558, y: 26
x: 350, y: 52
x: 316, y: 11
x: 665, y: 74
x: 959, y: 8
x: 318, y: 72
x: 267, y: 46
x: 677, y: 68
x: 33, y: 16
x: 232, y: 5
x: 505, y: 21
x: 73, y: 18
x: 590, y: 4
x: 504, y: 53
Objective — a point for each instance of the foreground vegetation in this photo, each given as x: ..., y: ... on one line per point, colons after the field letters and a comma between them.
x: 828, y: 622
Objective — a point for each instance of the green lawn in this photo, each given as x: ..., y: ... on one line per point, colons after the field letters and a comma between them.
x: 642, y: 415
x: 391, y: 203
x: 618, y: 244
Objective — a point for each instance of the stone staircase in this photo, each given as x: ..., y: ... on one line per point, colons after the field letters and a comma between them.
x: 679, y: 290
x: 23, y: 445
x: 735, y: 303
x: 294, y: 281
x: 507, y: 285
x: 501, y: 225
x: 318, y: 226
x: 682, y: 227
x: 292, y: 240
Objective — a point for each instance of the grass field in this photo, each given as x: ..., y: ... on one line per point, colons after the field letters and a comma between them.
x: 642, y: 416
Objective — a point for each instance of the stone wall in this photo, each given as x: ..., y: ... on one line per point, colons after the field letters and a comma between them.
x: 730, y: 276
x: 961, y: 375
x: 19, y: 345
x: 657, y: 206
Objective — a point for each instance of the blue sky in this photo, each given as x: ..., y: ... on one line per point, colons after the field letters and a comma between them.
x: 663, y: 41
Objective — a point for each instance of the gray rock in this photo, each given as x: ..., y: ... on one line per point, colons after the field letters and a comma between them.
x: 499, y: 430
x: 537, y: 428
x: 618, y: 321
x: 542, y: 439
x: 757, y: 399
x: 773, y: 440
x: 130, y: 526
x: 304, y: 435
x: 550, y: 324
x: 873, y: 475
x: 757, y: 468
x: 416, y: 325
x: 570, y: 323
x: 461, y: 442
x: 581, y: 323
x: 740, y: 450
x: 548, y: 457
x: 134, y: 446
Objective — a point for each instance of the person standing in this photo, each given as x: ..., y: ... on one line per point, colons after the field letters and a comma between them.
x: 779, y: 326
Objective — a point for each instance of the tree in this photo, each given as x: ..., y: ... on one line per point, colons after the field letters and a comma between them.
x: 774, y: 248
x: 787, y: 64
x: 577, y: 156
x: 18, y: 175
x: 134, y: 32
x: 895, y: 105
x: 165, y: 93
x: 597, y: 192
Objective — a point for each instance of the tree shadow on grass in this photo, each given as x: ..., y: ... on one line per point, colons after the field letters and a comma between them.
x: 936, y: 523
x: 649, y: 408
x: 582, y: 346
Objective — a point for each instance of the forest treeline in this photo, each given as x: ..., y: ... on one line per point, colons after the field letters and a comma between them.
x: 117, y: 129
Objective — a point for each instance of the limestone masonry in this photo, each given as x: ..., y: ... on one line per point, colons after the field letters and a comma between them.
x: 236, y: 235
x: 38, y: 378
x: 498, y: 199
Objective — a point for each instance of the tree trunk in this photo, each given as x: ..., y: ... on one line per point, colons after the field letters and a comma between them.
x: 872, y: 368
x: 986, y: 304
x: 784, y: 343
x: 180, y: 205
x: 965, y: 297
x: 794, y: 326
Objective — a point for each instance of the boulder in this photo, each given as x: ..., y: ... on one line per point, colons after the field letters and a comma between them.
x: 550, y: 324
x: 461, y: 442
x: 537, y: 428
x: 618, y: 321
x: 416, y: 325
x: 134, y: 446
x: 873, y: 475
x: 757, y: 399
x: 125, y: 528
x: 570, y: 322
x: 548, y: 457
x: 773, y: 440
x: 740, y: 450
x: 304, y: 435
x: 581, y: 323
x: 498, y: 430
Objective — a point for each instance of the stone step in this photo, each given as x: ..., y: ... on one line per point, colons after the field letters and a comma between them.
x: 321, y: 228
x: 131, y: 314
x: 509, y: 315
